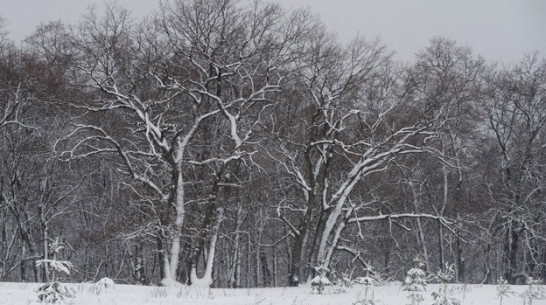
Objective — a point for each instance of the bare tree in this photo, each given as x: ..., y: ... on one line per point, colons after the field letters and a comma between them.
x: 357, y: 118
x: 449, y: 75
x: 199, y: 69
x: 32, y: 196
x: 516, y: 114
x: 235, y: 144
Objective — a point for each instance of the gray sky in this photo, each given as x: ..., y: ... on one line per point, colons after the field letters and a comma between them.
x: 497, y: 29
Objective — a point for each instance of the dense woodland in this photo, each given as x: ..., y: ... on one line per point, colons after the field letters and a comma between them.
x: 240, y: 145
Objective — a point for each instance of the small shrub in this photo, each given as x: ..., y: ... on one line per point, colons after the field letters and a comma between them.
x: 415, y: 282
x: 444, y: 276
x: 369, y: 282
x: 54, y: 292
x: 345, y: 280
x: 416, y: 278
x: 320, y: 282
x: 503, y: 289
x: 102, y: 284
x: 534, y: 291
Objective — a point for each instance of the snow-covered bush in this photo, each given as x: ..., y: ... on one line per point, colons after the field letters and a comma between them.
x: 55, y: 291
x: 444, y: 276
x: 416, y: 277
x: 104, y: 283
x: 415, y: 282
x: 320, y: 282
x: 345, y: 280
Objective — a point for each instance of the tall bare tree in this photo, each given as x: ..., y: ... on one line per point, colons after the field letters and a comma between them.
x: 180, y: 92
x: 357, y: 117
x: 516, y: 113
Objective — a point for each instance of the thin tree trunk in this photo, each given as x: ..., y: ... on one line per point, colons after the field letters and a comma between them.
x: 257, y: 261
x: 422, y: 242
x: 512, y: 250
x: 266, y: 273
x: 275, y: 272
x: 22, y: 267
x: 441, y: 254
x: 235, y: 273
x: 45, y: 237
x: 249, y: 263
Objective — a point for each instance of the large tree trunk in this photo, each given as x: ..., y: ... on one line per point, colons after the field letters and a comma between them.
x: 206, y: 280
x: 162, y: 256
x: 423, y: 244
x: 172, y: 268
x: 295, y: 266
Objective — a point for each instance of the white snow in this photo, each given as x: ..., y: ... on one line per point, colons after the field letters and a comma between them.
x: 106, y: 283
x: 168, y: 282
x: 391, y: 294
x: 103, y: 284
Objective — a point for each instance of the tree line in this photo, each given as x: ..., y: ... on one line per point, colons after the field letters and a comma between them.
x: 242, y: 145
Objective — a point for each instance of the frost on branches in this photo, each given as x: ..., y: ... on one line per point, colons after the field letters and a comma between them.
x: 55, y: 291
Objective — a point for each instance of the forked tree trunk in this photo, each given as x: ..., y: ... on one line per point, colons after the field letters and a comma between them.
x: 206, y: 280
x: 211, y: 226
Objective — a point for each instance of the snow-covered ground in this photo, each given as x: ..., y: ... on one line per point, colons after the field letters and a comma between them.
x: 391, y: 294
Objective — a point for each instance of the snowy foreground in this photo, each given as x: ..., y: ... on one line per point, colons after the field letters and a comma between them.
x: 392, y: 294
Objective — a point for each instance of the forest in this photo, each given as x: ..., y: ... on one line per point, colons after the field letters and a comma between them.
x: 235, y: 144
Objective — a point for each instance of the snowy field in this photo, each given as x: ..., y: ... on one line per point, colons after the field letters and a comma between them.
x: 392, y: 294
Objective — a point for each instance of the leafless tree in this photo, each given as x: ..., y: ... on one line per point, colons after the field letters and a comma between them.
x: 357, y: 117
x: 199, y: 69
x: 236, y: 144
x: 516, y: 114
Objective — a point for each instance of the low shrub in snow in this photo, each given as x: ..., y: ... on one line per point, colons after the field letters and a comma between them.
x: 415, y: 282
x: 503, y: 289
x: 102, y: 284
x: 442, y: 297
x: 320, y: 282
x: 416, y: 278
x: 369, y: 282
x: 54, y: 291
x: 534, y: 291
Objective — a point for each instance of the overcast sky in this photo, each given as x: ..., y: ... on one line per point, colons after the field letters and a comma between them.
x: 497, y: 29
